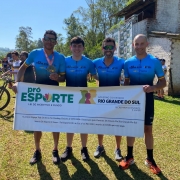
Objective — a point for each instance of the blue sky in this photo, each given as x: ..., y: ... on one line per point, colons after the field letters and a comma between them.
x: 40, y: 15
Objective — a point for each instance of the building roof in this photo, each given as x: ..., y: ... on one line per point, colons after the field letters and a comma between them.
x: 164, y: 34
x: 134, y: 6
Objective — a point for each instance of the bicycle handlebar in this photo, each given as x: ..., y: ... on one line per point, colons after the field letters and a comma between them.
x: 6, y: 78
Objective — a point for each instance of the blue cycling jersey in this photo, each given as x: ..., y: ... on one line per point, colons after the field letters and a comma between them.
x: 77, y: 71
x: 142, y: 72
x: 109, y: 75
x: 37, y: 57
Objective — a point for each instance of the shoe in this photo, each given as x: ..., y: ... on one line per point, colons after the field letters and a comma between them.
x: 118, y: 155
x: 36, y: 157
x: 67, y: 153
x: 56, y: 159
x: 153, y: 167
x: 84, y: 154
x: 99, y: 151
x: 124, y: 164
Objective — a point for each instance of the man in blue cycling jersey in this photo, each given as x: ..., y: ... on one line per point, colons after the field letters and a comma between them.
x: 77, y: 68
x: 49, y: 68
x: 140, y: 70
x: 109, y: 70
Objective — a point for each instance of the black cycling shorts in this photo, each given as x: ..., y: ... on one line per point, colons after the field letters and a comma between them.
x: 149, y: 110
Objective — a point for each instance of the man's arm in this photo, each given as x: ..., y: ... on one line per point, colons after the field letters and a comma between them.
x: 21, y: 72
x: 95, y: 77
x: 61, y: 78
x: 160, y: 85
x: 126, y: 82
x: 57, y: 77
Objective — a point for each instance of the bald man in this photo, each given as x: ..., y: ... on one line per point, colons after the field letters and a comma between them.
x: 140, y: 70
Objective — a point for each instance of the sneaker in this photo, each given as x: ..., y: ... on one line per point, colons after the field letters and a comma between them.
x: 99, y: 151
x: 124, y: 164
x: 118, y: 155
x: 84, y: 154
x: 153, y: 167
x: 56, y: 159
x: 67, y: 153
x: 36, y: 157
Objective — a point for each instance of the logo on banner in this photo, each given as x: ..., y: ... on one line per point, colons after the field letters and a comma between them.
x: 35, y: 95
x: 47, y: 97
x: 87, y: 96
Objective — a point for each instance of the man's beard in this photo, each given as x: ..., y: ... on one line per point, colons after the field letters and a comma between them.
x: 49, y: 47
x: 109, y: 54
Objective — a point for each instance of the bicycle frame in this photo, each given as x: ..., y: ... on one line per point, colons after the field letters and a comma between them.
x: 2, y: 89
x: 4, y: 92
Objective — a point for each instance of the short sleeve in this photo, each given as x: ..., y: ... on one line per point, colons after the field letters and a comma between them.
x: 30, y: 58
x: 158, y: 69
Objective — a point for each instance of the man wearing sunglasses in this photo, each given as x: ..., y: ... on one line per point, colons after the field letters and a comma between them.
x: 49, y: 68
x: 145, y: 67
x: 109, y: 70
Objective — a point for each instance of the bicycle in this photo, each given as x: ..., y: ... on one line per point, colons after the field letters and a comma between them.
x: 4, y: 93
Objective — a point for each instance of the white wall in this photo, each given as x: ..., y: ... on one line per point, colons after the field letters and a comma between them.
x: 167, y: 16
x: 175, y: 65
x: 161, y: 47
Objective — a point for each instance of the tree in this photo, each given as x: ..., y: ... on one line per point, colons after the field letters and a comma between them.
x: 39, y: 43
x: 93, y: 23
x: 23, y: 40
x: 60, y: 44
x: 73, y: 27
x: 33, y: 45
x: 129, y: 2
x: 96, y: 21
x: 98, y: 16
x: 2, y: 55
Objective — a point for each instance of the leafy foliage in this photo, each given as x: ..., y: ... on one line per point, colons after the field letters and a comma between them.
x: 91, y: 23
x: 129, y: 2
x: 116, y: 26
x: 23, y: 40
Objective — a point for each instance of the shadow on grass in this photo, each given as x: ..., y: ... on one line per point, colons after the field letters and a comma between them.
x: 44, y: 175
x: 7, y: 115
x: 138, y: 174
x: 29, y: 132
x: 81, y: 172
x: 171, y: 101
x: 119, y: 173
x: 162, y: 177
x: 95, y: 171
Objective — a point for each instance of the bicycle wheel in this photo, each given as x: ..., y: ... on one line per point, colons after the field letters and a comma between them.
x: 5, y: 98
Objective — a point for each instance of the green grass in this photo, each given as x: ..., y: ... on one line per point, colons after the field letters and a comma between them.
x: 17, y: 147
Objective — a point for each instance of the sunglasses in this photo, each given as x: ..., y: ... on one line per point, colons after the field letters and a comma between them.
x: 109, y: 47
x: 49, y: 39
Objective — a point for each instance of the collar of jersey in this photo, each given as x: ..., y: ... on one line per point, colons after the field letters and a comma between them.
x: 114, y: 59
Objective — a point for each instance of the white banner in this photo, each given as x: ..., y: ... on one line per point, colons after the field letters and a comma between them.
x: 103, y: 110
